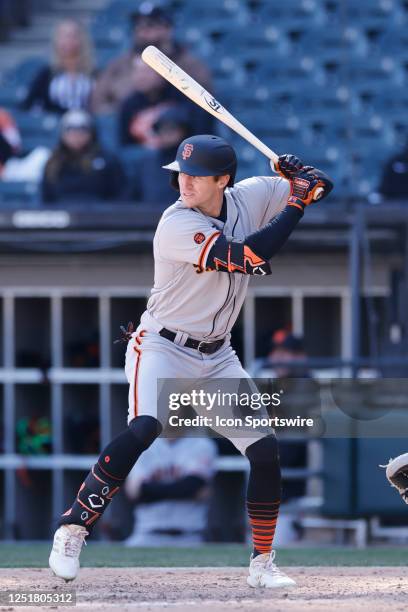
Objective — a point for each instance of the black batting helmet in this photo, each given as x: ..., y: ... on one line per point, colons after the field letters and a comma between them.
x: 204, y: 155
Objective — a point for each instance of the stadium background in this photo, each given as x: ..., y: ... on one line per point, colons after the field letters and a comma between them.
x: 324, y: 80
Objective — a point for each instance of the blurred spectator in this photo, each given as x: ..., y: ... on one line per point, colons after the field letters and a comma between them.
x: 10, y: 139
x: 12, y: 167
x: 78, y: 168
x: 170, y: 486
x: 34, y: 435
x: 84, y: 352
x: 67, y: 82
x: 151, y: 184
x: 394, y: 181
x: 141, y: 109
x: 82, y: 430
x: 151, y: 26
x: 286, y: 352
x: 283, y: 361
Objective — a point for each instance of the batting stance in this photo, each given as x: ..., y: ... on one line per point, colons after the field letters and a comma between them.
x: 206, y: 247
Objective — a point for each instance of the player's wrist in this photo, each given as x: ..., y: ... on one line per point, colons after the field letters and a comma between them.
x: 296, y: 203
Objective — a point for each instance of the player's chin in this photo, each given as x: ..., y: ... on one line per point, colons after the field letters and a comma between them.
x: 188, y: 200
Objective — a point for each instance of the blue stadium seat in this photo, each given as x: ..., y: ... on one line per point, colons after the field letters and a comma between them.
x: 397, y: 125
x: 269, y: 125
x: 25, y: 71
x: 321, y: 42
x: 291, y: 13
x: 319, y: 129
x: 11, y: 95
x: 115, y: 35
x: 117, y: 12
x: 15, y: 81
x: 304, y: 72
x: 130, y: 158
x: 107, y: 129
x: 105, y: 55
x: 311, y: 99
x: 262, y: 39
x: 37, y: 129
x: 377, y: 13
x: 374, y: 97
x: 386, y: 70
x: 19, y: 193
x: 369, y: 148
x: 216, y: 10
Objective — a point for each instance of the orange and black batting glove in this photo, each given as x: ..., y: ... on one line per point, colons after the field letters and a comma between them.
x: 307, y: 186
x: 287, y: 166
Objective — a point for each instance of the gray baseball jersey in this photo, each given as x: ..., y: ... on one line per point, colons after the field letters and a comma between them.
x: 204, y: 303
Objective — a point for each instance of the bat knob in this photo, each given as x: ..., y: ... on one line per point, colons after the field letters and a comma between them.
x: 318, y: 194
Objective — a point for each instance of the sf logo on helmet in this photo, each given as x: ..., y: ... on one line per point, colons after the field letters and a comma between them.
x: 187, y: 150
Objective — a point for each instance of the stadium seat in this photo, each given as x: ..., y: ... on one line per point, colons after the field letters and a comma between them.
x: 114, y: 36
x: 107, y: 129
x: 19, y: 193
x: 264, y: 39
x: 291, y: 14
x: 385, y: 70
x: 372, y: 96
x: 24, y: 72
x: 105, y: 55
x: 315, y: 100
x: 117, y: 12
x: 397, y: 125
x: 130, y: 157
x: 290, y: 69
x: 321, y: 42
x: 37, y: 129
x: 11, y: 95
x: 15, y: 81
x: 216, y: 10
x: 375, y: 12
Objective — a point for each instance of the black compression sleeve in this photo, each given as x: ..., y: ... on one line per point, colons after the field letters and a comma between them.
x: 268, y: 240
x: 183, y: 488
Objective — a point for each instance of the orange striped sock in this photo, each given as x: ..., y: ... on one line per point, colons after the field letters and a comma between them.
x: 262, y: 518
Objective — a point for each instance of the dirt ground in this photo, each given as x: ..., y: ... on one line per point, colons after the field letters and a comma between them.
x: 221, y: 589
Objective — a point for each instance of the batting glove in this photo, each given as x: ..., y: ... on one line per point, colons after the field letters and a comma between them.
x: 287, y: 166
x: 307, y: 186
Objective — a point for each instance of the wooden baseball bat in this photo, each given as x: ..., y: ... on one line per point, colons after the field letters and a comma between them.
x: 164, y: 66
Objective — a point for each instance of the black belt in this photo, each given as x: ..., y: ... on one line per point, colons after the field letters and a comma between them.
x: 204, y: 347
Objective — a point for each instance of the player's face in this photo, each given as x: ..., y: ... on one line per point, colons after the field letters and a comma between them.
x: 201, y: 191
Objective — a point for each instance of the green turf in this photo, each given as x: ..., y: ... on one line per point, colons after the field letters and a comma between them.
x: 115, y: 555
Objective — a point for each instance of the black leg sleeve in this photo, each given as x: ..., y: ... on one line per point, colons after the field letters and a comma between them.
x: 109, y: 472
x: 264, y: 492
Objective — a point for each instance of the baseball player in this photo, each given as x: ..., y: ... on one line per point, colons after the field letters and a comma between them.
x: 206, y: 247
x: 397, y: 474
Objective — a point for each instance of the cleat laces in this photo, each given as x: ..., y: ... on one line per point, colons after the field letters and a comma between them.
x: 73, y: 541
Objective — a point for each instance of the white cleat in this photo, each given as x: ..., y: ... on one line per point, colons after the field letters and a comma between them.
x: 64, y: 557
x: 264, y: 573
x: 397, y: 474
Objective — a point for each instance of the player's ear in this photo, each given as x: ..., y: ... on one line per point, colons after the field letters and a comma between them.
x: 223, y: 180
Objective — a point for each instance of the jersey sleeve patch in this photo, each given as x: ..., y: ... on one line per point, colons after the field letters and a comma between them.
x: 199, y: 237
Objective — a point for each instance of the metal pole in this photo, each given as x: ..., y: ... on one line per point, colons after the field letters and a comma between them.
x: 356, y: 231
